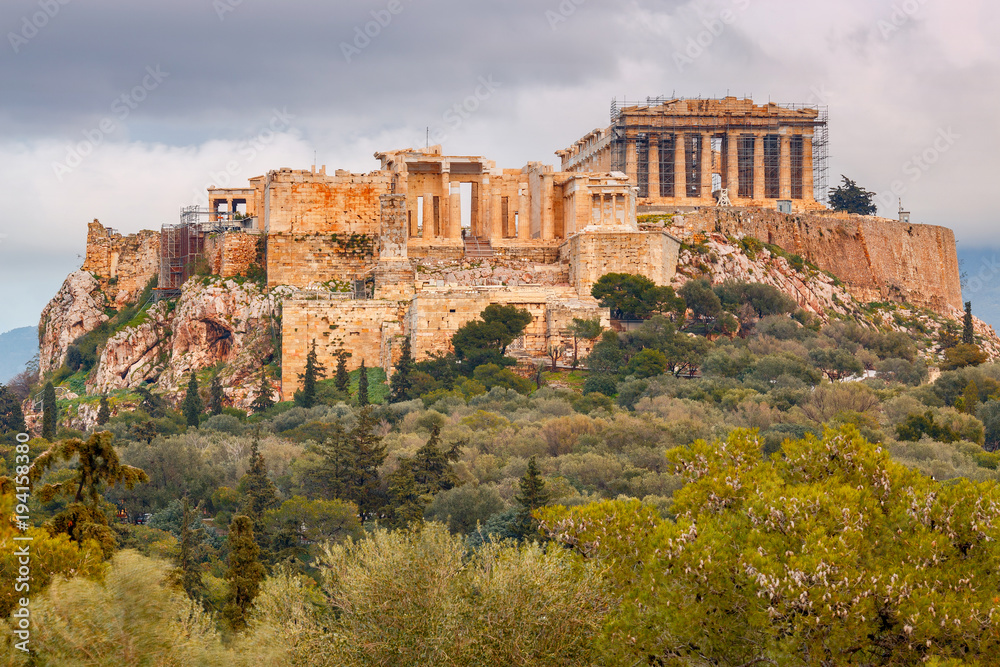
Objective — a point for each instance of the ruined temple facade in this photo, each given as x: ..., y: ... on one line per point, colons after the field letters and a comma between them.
x: 686, y: 152
x: 390, y: 254
x: 420, y: 245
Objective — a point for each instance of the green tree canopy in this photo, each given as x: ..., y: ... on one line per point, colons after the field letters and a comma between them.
x: 11, y: 416
x: 95, y: 466
x: 485, y: 341
x: 631, y: 297
x: 50, y: 411
x: 701, y: 299
x: 314, y: 372
x: 216, y: 397
x: 264, y: 400
x: 831, y: 554
x: 363, y: 398
x: 852, y: 198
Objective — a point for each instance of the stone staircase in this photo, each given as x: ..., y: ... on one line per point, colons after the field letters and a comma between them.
x: 477, y: 248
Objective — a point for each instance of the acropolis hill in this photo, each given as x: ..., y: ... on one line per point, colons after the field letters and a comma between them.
x: 421, y: 244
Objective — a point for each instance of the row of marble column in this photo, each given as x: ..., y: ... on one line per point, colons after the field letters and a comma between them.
x: 729, y: 166
x: 488, y: 219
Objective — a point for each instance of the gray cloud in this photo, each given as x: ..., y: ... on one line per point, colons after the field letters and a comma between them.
x: 558, y: 64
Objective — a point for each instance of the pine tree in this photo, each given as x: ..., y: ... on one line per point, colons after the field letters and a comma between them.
x: 343, y: 379
x: 263, y: 401
x: 314, y: 372
x: 215, y: 395
x: 339, y: 468
x: 94, y: 466
x: 104, y: 412
x: 188, y: 573
x: 406, y: 500
x: 369, y: 452
x: 432, y: 466
x: 244, y: 575
x: 400, y: 384
x: 259, y: 492
x: 363, y: 385
x: 968, y: 334
x: 49, y: 409
x: 533, y: 495
x: 11, y: 416
x: 192, y: 404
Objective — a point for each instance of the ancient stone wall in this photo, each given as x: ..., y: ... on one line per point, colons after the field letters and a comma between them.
x: 878, y: 259
x: 591, y: 255
x: 302, y: 260
x: 304, y: 202
x: 334, y: 324
x: 436, y: 314
x: 123, y: 264
x: 231, y: 253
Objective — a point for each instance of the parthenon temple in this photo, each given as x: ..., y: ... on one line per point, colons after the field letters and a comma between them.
x: 689, y: 152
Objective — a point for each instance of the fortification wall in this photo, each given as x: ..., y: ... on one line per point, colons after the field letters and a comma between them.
x: 231, y: 253
x: 301, y: 260
x: 878, y: 259
x: 353, y: 325
x: 122, y: 264
x: 591, y: 255
x: 303, y: 202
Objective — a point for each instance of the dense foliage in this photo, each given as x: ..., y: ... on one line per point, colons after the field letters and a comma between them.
x: 732, y: 481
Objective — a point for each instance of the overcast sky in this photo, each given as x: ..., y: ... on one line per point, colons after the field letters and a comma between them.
x: 125, y: 111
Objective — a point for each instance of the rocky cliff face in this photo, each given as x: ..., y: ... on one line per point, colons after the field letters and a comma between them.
x: 877, y: 259
x: 720, y: 258
x: 223, y: 322
x: 77, y: 308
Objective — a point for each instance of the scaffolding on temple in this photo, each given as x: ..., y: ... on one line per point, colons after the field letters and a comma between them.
x: 182, y: 247
x: 627, y: 121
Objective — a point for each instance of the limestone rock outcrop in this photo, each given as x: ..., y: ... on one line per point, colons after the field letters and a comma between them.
x: 77, y: 308
x: 222, y: 323
x: 815, y: 291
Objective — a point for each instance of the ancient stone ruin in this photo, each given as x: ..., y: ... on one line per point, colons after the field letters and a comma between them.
x: 421, y: 244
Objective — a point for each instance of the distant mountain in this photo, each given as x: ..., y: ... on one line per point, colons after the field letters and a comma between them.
x: 17, y: 347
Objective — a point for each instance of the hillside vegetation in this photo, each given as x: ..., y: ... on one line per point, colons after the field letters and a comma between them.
x: 734, y: 481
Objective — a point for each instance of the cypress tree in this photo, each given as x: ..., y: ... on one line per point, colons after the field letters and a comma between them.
x: 263, y: 401
x: 49, y: 409
x: 400, y: 384
x: 104, y: 412
x: 363, y: 385
x: 244, y: 575
x: 968, y: 335
x: 215, y: 395
x: 188, y: 572
x: 314, y: 372
x: 533, y: 495
x: 11, y: 416
x: 260, y: 494
x: 343, y: 379
x: 192, y: 402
